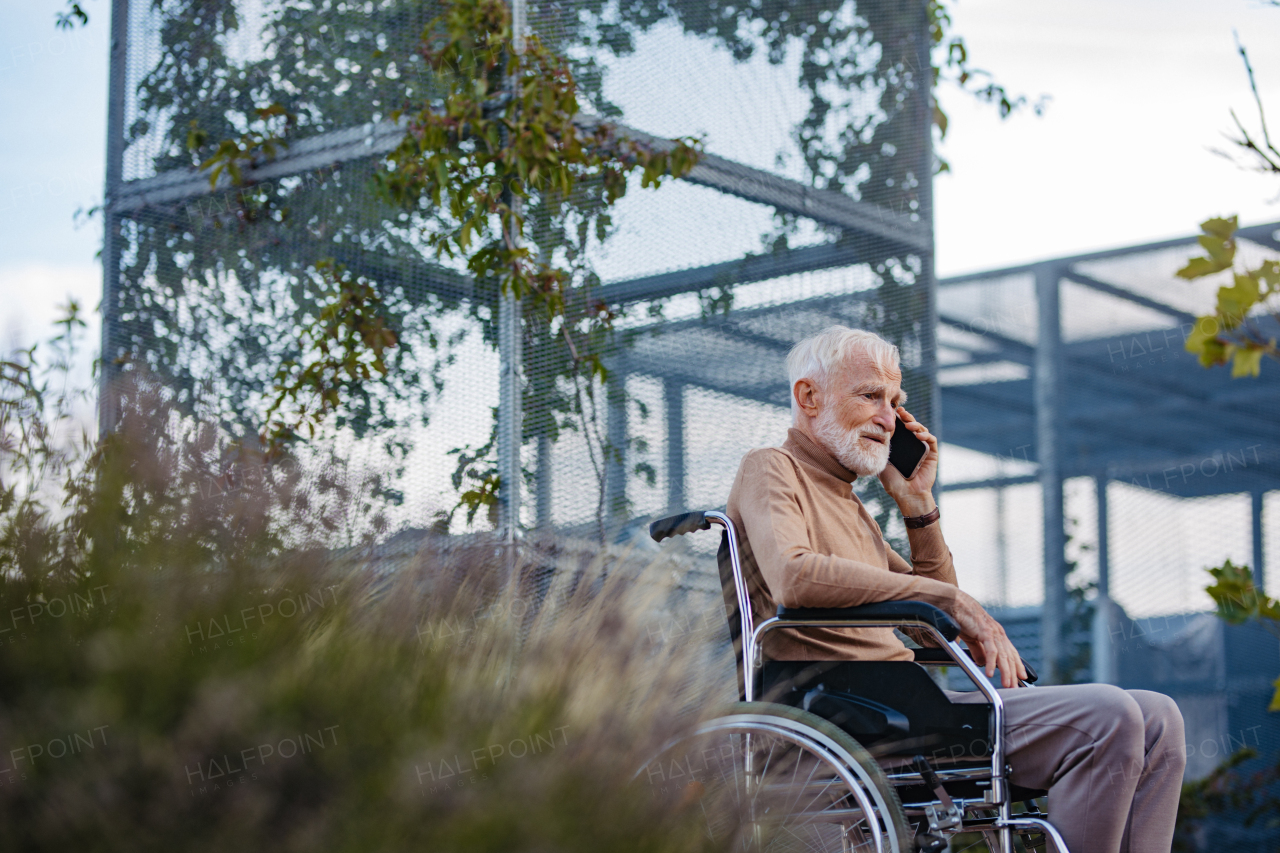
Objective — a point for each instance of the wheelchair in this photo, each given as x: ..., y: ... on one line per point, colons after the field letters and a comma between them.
x: 847, y: 755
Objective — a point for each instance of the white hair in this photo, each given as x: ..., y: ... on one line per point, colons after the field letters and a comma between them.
x: 815, y: 357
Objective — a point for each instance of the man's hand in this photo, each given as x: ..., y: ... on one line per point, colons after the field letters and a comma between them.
x: 915, y: 496
x: 987, y: 640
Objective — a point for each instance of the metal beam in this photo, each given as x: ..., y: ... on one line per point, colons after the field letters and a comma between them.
x: 1264, y: 235
x: 748, y: 269
x: 1137, y: 299
x: 990, y: 483
x: 408, y: 273
x: 739, y: 315
x: 325, y: 150
x: 1013, y: 350
x: 830, y: 207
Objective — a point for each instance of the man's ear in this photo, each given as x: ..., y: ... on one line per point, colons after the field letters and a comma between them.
x: 806, y: 396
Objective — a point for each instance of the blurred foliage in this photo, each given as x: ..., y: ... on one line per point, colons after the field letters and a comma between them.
x: 185, y: 663
x: 1231, y: 333
x: 1226, y: 790
x: 71, y: 17
x: 342, y: 349
x: 1260, y: 154
x: 1238, y: 601
x: 232, y: 156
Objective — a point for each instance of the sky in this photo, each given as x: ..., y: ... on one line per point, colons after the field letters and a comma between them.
x: 1140, y: 91
x: 53, y: 88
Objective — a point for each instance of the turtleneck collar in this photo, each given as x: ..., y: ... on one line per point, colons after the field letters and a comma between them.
x: 811, y: 453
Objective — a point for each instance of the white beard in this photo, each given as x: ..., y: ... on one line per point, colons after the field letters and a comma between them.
x: 865, y: 461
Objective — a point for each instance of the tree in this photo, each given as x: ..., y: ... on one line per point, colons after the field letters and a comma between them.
x: 213, y: 285
x: 1231, y: 334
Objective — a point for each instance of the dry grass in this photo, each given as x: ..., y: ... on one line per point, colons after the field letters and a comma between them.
x: 189, y: 669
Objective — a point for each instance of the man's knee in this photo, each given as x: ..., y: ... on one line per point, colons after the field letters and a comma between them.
x: 1118, y: 730
x: 1165, y: 731
x: 1160, y: 714
x: 1116, y: 713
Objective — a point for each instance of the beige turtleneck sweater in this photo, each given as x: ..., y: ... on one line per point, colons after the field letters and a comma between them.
x: 807, y: 541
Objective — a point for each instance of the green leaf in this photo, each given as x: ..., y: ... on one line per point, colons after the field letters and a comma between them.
x: 1235, y: 302
x: 1199, y: 267
x: 1205, y: 330
x: 1220, y: 227
x: 1233, y: 592
x: 1248, y: 362
x: 1220, y: 251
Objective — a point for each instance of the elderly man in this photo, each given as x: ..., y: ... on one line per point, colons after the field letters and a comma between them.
x: 1111, y: 759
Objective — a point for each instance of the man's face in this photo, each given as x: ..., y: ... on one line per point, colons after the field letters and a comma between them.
x: 856, y: 414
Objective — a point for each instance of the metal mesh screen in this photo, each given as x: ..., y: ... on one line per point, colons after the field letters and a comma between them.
x: 1069, y: 377
x: 810, y: 207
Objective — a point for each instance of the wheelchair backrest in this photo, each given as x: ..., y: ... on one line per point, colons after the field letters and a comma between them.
x: 733, y: 585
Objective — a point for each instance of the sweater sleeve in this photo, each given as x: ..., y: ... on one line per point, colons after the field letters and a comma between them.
x: 930, y: 556
x: 799, y: 576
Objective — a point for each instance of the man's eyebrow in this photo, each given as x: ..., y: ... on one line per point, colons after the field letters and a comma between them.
x: 879, y: 388
x: 868, y: 388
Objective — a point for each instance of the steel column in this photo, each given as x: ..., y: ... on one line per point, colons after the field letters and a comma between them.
x: 509, y: 356
x: 1104, y: 669
x: 1259, y: 552
x: 927, y: 286
x: 544, y: 492
x: 1047, y: 375
x: 116, y: 85
x: 1002, y: 549
x: 615, y: 454
x: 509, y: 420
x: 673, y: 392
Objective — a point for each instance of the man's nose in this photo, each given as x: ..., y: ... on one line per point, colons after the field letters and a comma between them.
x: 886, y: 417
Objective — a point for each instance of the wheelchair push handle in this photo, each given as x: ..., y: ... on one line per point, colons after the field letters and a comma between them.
x: 678, y: 525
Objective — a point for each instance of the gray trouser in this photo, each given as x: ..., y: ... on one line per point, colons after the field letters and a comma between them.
x: 1111, y: 760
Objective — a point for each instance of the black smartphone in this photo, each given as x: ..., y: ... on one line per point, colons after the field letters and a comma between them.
x: 905, y: 450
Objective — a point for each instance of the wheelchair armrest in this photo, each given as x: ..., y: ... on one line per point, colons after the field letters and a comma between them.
x: 942, y: 656
x: 678, y: 525
x: 907, y: 611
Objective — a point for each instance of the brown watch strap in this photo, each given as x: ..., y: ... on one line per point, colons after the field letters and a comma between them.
x: 917, y: 521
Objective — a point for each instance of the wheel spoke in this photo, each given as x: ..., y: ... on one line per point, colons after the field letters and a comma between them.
x: 774, y: 785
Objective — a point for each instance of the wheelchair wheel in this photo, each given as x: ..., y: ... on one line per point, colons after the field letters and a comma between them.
x: 776, y: 778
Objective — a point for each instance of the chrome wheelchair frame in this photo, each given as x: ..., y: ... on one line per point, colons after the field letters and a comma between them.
x: 943, y: 815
